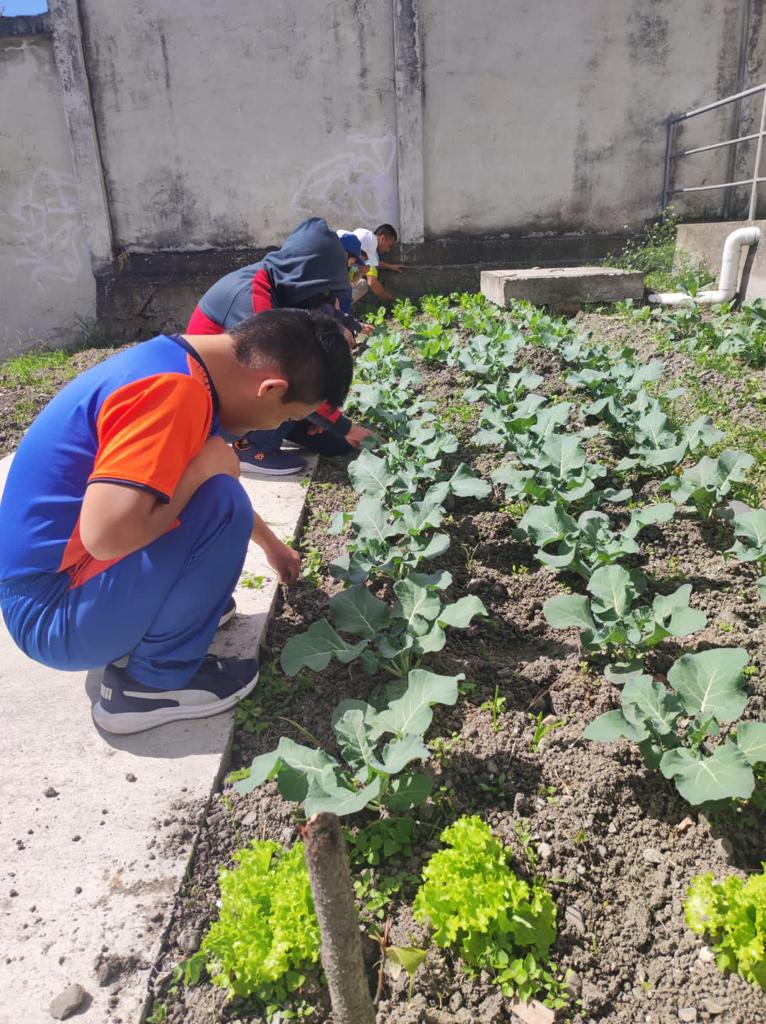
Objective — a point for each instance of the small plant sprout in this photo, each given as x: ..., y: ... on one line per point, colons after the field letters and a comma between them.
x: 496, y: 707
x: 543, y: 726
x: 396, y: 958
x: 251, y: 581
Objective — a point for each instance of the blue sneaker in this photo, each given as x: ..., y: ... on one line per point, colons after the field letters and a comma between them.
x: 278, y: 463
x: 126, y: 706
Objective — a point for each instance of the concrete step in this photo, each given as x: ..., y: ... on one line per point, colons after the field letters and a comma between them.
x: 96, y: 832
x: 554, y: 286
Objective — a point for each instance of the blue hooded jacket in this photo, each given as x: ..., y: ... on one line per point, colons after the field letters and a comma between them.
x: 311, y: 261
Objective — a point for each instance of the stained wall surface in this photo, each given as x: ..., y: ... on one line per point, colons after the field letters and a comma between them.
x: 47, y: 290
x: 225, y: 125
x: 217, y: 128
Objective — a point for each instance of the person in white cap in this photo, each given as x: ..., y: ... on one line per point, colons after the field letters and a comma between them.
x: 367, y: 278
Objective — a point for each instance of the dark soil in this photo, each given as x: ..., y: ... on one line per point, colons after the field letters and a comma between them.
x: 615, y: 843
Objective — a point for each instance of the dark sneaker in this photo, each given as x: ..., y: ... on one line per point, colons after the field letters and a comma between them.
x: 228, y: 613
x: 279, y: 463
x: 126, y: 706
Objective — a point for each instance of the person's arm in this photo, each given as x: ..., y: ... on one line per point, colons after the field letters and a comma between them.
x: 396, y: 267
x: 377, y: 289
x: 117, y: 519
x: 285, y: 562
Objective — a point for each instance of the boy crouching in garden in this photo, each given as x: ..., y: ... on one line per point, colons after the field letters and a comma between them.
x: 123, y: 526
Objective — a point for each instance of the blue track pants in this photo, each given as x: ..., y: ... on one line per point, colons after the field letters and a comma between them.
x: 160, y: 605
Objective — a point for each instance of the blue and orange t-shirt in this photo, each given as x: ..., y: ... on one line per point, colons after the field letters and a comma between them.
x: 137, y: 419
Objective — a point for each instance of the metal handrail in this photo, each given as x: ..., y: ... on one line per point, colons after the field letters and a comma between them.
x: 671, y: 155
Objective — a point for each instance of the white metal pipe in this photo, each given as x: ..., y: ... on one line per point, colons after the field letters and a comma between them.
x: 728, y: 279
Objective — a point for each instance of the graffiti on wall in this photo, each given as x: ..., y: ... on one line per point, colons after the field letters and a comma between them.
x: 356, y: 187
x: 45, y: 220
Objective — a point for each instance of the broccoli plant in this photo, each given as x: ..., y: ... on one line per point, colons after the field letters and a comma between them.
x: 750, y: 532
x: 584, y: 544
x: 655, y: 442
x: 559, y: 473
x: 390, y: 541
x: 615, y: 617
x: 672, y: 725
x: 377, y: 747
x: 710, y: 481
x: 389, y: 637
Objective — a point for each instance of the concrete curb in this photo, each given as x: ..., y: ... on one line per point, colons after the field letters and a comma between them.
x: 97, y: 831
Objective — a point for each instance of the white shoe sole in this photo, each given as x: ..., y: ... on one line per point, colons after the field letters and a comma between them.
x: 130, y: 722
x: 227, y: 617
x: 248, y: 467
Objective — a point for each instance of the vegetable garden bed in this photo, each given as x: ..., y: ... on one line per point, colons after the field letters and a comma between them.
x: 544, y: 536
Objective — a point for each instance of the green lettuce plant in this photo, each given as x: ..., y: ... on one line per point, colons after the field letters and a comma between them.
x: 494, y: 920
x: 376, y: 745
x: 614, y: 616
x: 267, y: 933
x: 672, y: 725
x: 732, y: 913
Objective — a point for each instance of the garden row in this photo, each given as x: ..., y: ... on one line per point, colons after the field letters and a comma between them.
x: 575, y: 474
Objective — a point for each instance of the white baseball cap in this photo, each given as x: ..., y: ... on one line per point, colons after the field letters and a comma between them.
x: 369, y: 244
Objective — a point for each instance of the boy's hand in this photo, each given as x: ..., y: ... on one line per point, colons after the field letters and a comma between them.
x: 367, y: 329
x: 396, y: 267
x: 357, y: 434
x: 217, y: 457
x: 285, y: 562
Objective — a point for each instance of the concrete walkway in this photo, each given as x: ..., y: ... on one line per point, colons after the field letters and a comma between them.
x: 96, y: 831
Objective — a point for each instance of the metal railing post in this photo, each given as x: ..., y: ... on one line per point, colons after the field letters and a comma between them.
x: 757, y: 168
x: 668, y: 162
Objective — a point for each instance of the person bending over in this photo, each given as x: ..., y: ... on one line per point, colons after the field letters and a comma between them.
x: 123, y: 526
x: 308, y: 270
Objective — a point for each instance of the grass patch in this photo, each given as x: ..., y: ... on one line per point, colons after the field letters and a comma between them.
x: 654, y: 254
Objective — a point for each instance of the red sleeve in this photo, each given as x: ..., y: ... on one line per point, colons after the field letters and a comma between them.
x: 328, y: 412
x: 201, y: 323
x: 149, y: 430
x: 262, y: 295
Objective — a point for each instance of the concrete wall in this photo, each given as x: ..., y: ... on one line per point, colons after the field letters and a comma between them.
x: 505, y: 133
x: 225, y: 126
x: 46, y: 283
x: 550, y: 117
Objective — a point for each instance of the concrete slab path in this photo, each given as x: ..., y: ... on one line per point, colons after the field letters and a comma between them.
x: 96, y: 831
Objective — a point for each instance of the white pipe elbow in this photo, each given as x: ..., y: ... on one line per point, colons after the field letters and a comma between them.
x: 728, y: 280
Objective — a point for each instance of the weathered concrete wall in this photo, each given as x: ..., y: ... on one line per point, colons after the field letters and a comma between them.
x: 46, y: 283
x: 502, y: 133
x: 703, y: 243
x: 224, y: 126
x: 550, y: 117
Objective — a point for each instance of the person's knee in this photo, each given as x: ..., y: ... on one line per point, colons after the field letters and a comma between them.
x: 226, y: 500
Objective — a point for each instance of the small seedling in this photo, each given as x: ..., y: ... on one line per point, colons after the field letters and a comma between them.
x: 496, y: 707
x: 251, y: 581
x: 311, y: 566
x: 542, y: 728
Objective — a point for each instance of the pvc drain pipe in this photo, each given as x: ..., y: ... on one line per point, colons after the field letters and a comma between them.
x: 727, y: 282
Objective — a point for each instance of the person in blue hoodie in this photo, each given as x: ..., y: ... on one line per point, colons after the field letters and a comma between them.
x: 308, y: 271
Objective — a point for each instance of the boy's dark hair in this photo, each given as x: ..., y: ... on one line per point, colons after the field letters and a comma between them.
x: 386, y: 229
x: 313, y: 301
x: 309, y: 349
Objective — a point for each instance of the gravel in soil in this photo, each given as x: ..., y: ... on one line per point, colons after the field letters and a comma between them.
x: 614, y: 841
